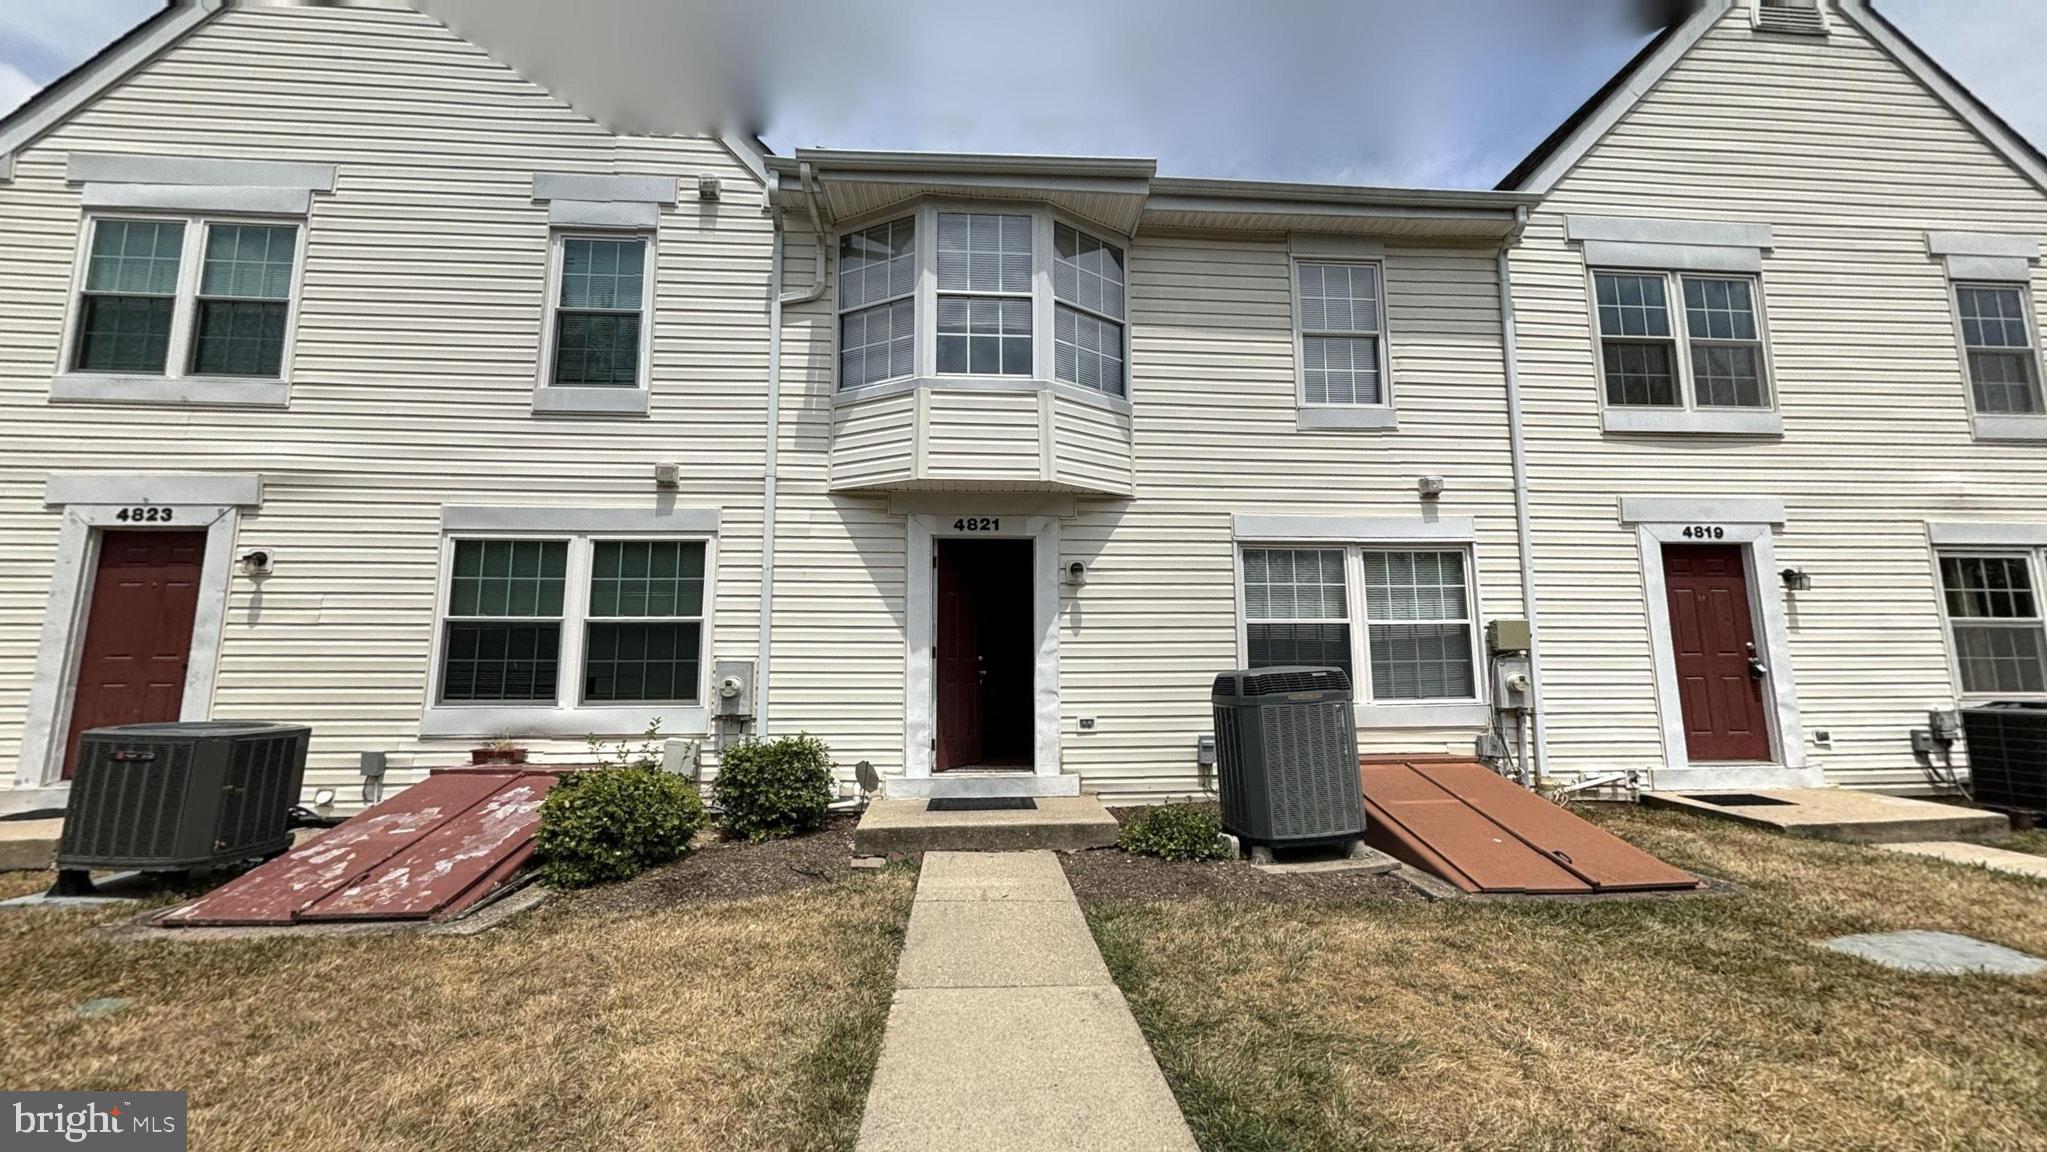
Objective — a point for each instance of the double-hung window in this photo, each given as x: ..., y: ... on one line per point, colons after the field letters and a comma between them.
x: 984, y: 294
x: 589, y: 626
x: 1997, y: 342
x: 1680, y: 340
x: 1339, y: 311
x: 184, y: 298
x: 945, y: 295
x: 1993, y: 615
x: 1403, y: 615
x: 599, y: 313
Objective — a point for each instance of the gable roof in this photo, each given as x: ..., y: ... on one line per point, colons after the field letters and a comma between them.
x: 59, y: 99
x: 1540, y: 170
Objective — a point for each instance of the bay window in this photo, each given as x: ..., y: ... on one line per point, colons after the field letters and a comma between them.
x: 945, y: 293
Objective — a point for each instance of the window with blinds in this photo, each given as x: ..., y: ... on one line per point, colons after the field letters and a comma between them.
x: 1994, y: 621
x: 1418, y: 616
x: 1296, y: 608
x: 984, y: 294
x: 599, y: 309
x: 877, y: 309
x: 228, y: 317
x: 1676, y: 340
x: 1338, y: 313
x: 1088, y: 313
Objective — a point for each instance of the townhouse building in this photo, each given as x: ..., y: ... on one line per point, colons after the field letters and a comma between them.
x: 353, y: 379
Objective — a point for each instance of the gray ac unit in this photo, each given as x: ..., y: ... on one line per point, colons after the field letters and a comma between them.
x: 1287, y: 756
x: 168, y: 797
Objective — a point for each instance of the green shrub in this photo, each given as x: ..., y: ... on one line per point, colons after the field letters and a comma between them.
x: 774, y: 789
x: 613, y: 823
x: 1175, y: 832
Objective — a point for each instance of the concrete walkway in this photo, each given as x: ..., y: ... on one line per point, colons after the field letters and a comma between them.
x: 1978, y: 855
x: 1006, y: 1033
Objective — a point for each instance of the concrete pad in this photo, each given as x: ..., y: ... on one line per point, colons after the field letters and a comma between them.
x: 1018, y: 1070
x: 1023, y: 944
x: 1837, y: 814
x: 1977, y: 855
x: 1942, y: 953
x: 28, y: 845
x: 1363, y: 858
x: 992, y: 876
x: 1064, y: 823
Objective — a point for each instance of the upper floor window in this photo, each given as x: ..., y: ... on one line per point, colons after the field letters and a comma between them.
x: 1706, y: 354
x: 599, y: 313
x: 1997, y: 340
x: 1339, y: 312
x: 944, y: 293
x: 184, y: 298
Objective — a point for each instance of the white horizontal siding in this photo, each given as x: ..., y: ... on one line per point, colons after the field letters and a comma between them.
x: 976, y: 435
x: 1850, y: 161
x: 415, y: 362
x: 1090, y: 445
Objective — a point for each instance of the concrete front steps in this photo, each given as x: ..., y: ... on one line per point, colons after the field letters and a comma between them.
x: 1059, y: 823
x: 1838, y: 814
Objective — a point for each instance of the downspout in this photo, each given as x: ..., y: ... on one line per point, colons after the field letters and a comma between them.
x: 770, y: 471
x: 1518, y: 450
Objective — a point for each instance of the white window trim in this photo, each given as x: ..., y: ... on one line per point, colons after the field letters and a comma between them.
x: 1458, y: 712
x: 1326, y: 416
x: 568, y: 716
x: 2022, y: 426
x: 561, y: 399
x: 1686, y: 417
x: 2036, y: 569
x: 176, y: 385
x: 1043, y: 304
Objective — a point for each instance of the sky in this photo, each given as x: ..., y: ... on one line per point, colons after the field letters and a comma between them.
x: 1446, y: 94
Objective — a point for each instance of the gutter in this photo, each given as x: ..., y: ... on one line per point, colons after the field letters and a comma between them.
x: 771, y: 457
x: 1518, y: 450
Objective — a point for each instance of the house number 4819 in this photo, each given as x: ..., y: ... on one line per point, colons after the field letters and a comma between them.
x: 1704, y: 532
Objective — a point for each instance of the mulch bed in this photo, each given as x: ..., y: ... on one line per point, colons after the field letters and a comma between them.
x: 735, y: 870
x: 1105, y: 874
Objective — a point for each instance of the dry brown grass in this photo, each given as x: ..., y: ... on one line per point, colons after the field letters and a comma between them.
x: 1702, y: 1023
x: 752, y: 1024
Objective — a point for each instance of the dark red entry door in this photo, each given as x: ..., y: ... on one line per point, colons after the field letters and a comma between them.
x: 1719, y: 672
x: 138, y: 632
x: 959, y: 662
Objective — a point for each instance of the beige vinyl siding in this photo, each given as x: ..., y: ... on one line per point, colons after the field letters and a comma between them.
x: 874, y: 441
x: 416, y: 358
x: 982, y: 435
x: 1090, y: 444
x: 1851, y: 162
x: 1214, y: 431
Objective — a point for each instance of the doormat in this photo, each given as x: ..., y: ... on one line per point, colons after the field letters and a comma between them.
x: 1737, y: 799
x: 979, y: 803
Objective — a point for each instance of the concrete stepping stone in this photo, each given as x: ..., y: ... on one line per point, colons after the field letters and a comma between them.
x: 1943, y: 953
x: 1979, y: 855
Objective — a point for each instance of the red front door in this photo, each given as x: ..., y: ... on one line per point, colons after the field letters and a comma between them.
x: 138, y: 632
x: 959, y: 662
x: 1719, y: 673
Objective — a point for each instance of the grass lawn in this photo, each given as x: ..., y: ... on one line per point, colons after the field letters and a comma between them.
x: 587, y: 1023
x: 1700, y: 1023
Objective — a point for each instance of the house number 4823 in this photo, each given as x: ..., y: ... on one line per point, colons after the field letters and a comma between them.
x: 144, y: 515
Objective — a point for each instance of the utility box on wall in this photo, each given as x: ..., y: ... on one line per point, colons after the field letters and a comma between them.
x: 732, y: 688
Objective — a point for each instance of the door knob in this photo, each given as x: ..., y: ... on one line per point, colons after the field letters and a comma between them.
x: 1756, y: 668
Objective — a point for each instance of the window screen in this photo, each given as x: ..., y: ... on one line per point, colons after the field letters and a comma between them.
x: 503, y: 627
x: 1637, y: 350
x: 597, y: 323
x: 1996, y: 623
x: 877, y: 321
x: 1339, y: 322
x: 1418, y: 613
x: 131, y: 289
x: 1295, y: 608
x: 984, y: 303
x: 1088, y: 314
x: 1727, y: 351
x: 645, y: 624
x: 1998, y: 342
x: 244, y: 300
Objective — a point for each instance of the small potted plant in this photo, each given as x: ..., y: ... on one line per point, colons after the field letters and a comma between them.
x: 497, y: 752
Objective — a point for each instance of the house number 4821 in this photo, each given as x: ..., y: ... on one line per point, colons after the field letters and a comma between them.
x: 978, y: 524
x: 144, y: 515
